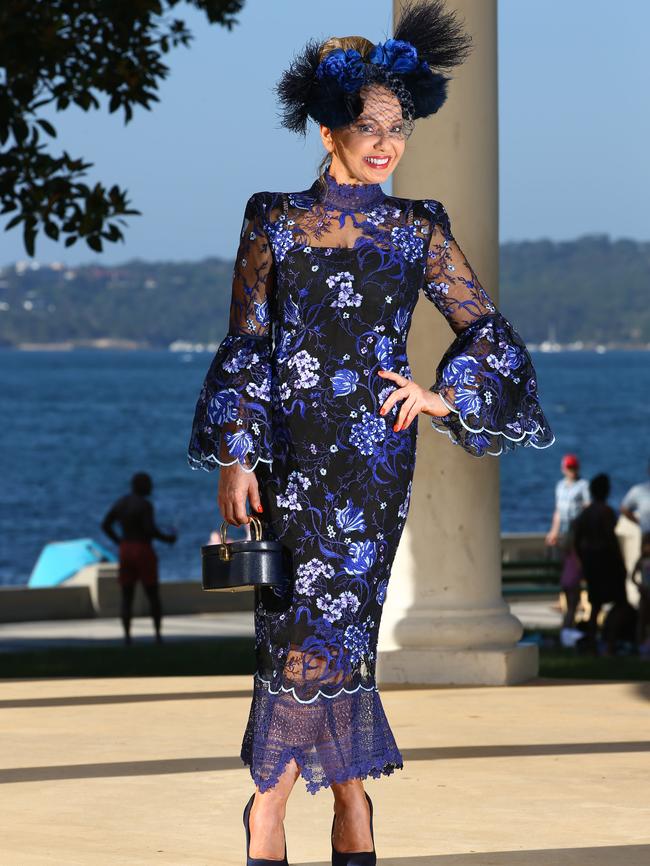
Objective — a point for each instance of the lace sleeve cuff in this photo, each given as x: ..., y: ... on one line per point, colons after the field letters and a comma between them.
x: 487, y: 379
x: 232, y: 420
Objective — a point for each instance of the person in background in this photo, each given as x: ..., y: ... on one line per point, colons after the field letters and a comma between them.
x: 636, y: 504
x: 138, y: 559
x: 571, y: 496
x: 600, y: 553
x: 641, y: 577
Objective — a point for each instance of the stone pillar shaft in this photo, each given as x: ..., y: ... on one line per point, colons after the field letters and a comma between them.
x: 444, y: 619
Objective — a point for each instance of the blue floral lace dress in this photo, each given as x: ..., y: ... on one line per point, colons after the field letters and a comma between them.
x: 325, y: 284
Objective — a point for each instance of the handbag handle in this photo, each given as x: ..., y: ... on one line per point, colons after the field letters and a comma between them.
x: 224, y: 548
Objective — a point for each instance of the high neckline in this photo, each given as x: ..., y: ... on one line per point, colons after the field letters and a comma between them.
x: 348, y: 196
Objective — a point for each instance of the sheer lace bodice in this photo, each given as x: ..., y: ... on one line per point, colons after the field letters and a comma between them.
x: 486, y: 377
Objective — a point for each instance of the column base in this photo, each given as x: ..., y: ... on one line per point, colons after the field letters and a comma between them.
x: 488, y: 667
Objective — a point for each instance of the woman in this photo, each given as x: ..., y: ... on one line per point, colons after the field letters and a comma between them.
x: 310, y: 408
x: 571, y: 496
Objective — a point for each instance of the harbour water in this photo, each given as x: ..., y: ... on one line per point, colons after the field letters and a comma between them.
x: 76, y: 425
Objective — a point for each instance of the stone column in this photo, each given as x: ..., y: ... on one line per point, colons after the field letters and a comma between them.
x: 444, y: 618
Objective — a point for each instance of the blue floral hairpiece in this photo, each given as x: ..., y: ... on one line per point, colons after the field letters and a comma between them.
x: 427, y: 38
x: 348, y: 67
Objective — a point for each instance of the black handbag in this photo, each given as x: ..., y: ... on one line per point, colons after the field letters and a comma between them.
x: 239, y: 565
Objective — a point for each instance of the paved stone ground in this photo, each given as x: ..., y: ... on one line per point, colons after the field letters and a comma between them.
x: 147, y: 771
x: 106, y: 631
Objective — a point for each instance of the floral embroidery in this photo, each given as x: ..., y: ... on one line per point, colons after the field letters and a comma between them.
x: 323, y: 298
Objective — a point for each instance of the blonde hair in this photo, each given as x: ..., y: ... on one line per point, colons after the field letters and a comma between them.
x: 345, y: 43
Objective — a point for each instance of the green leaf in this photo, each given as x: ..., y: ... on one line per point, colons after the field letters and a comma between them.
x: 47, y: 126
x: 29, y: 238
x: 14, y: 222
x: 52, y: 230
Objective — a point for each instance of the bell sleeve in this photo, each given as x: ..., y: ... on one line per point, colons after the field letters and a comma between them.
x: 232, y: 419
x: 486, y: 377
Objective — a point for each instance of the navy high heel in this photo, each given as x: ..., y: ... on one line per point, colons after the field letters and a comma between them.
x: 260, y: 861
x: 355, y: 858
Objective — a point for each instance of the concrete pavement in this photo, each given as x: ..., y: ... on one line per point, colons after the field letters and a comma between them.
x: 147, y: 771
x: 106, y: 631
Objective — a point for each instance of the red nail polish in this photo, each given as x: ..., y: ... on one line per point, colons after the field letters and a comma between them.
x: 259, y: 508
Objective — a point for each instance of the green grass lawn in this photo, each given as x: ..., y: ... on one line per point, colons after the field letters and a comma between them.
x: 225, y: 656
x: 142, y: 659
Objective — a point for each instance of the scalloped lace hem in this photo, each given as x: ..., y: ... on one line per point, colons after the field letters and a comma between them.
x: 375, y: 769
x: 438, y: 426
x: 319, y: 694
x: 209, y: 462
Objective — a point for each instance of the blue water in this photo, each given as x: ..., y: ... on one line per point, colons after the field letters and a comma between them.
x: 77, y: 425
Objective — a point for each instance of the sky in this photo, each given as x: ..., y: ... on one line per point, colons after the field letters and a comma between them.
x: 574, y: 128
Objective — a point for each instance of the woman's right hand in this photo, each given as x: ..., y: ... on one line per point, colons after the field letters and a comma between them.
x: 235, y: 486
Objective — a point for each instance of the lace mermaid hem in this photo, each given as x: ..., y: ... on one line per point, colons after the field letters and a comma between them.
x: 314, y: 783
x: 332, y: 739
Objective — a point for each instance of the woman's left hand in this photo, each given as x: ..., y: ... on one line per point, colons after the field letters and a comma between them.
x: 415, y: 399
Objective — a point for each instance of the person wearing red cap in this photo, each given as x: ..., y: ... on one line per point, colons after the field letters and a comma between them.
x: 571, y: 497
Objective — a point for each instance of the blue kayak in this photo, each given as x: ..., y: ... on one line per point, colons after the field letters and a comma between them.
x: 61, y: 560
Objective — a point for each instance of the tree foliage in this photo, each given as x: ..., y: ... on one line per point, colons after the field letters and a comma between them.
x: 59, y: 53
x: 591, y: 289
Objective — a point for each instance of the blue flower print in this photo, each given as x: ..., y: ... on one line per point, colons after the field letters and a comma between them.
x: 239, y: 444
x: 401, y: 321
x: 345, y: 382
x: 261, y: 314
x: 346, y: 297
x: 361, y: 556
x: 223, y: 406
x: 335, y: 608
x: 261, y: 391
x: 349, y: 601
x: 382, y: 586
x: 368, y: 433
x: 463, y: 370
x: 296, y: 482
x: 383, y: 396
x: 305, y: 366
x: 501, y: 365
x: 281, y: 238
x: 407, y: 242
x: 311, y: 576
x: 404, y: 507
x: 357, y: 640
x: 384, y: 352
x: 350, y: 519
x: 468, y: 402
x: 244, y: 359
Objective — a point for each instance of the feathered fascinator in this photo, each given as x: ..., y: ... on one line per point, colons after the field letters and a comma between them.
x: 325, y: 85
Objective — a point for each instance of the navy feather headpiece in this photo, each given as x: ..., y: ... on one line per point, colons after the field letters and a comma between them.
x: 326, y: 87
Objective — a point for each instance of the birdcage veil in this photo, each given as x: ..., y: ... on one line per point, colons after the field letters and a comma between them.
x: 327, y: 81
